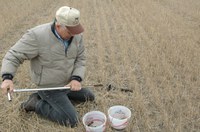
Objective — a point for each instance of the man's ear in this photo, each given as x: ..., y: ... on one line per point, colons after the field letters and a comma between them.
x: 57, y: 25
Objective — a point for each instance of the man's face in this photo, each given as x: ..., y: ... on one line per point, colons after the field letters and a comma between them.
x: 63, y: 32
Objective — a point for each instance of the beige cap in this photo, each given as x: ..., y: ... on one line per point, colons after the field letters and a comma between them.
x: 69, y: 17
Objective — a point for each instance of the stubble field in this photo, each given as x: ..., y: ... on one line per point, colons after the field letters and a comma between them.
x: 150, y: 48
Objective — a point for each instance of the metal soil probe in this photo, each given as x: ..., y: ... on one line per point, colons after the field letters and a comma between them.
x: 36, y: 89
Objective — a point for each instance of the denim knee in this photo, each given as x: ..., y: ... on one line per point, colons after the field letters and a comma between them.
x: 91, y: 97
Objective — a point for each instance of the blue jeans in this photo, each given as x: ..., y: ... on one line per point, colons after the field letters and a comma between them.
x: 56, y: 105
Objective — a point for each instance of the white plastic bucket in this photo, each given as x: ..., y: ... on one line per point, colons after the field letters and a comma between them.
x: 94, y: 121
x: 119, y: 116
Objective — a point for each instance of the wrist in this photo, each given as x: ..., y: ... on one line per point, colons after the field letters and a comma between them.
x: 7, y: 77
x: 77, y: 78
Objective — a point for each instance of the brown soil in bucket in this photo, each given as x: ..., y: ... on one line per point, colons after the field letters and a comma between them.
x: 119, y: 115
x: 95, y: 123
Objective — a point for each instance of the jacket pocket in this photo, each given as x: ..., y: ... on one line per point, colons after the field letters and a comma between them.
x: 36, y: 75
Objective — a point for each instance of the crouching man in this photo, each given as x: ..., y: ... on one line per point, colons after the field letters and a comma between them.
x: 57, y: 58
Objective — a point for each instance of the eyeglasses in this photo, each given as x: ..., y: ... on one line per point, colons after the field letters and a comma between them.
x: 69, y: 31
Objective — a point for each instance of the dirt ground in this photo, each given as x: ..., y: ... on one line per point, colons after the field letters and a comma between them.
x: 150, y: 48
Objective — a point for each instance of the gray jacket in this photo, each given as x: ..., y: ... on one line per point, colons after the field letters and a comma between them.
x: 50, y: 64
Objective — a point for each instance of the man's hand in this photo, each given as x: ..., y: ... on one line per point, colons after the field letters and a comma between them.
x: 74, y: 85
x: 7, y: 86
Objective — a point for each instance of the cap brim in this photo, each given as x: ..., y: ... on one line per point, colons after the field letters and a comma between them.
x: 76, y: 29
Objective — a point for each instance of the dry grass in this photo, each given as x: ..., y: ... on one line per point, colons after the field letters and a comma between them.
x: 151, y: 47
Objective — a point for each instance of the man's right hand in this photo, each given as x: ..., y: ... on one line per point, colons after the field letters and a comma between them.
x: 7, y: 86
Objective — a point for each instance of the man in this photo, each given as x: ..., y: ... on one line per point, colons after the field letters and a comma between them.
x: 57, y: 58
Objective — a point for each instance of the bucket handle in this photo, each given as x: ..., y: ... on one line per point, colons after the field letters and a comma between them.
x: 125, y: 123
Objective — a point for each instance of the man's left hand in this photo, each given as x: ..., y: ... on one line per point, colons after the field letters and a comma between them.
x: 74, y: 85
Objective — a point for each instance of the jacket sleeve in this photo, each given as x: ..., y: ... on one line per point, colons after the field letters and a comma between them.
x: 25, y: 49
x: 79, y: 67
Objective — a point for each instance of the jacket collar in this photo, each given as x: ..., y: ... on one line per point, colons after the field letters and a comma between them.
x: 53, y: 30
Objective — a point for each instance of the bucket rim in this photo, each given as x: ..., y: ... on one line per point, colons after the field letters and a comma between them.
x: 119, y: 106
x: 91, y: 112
